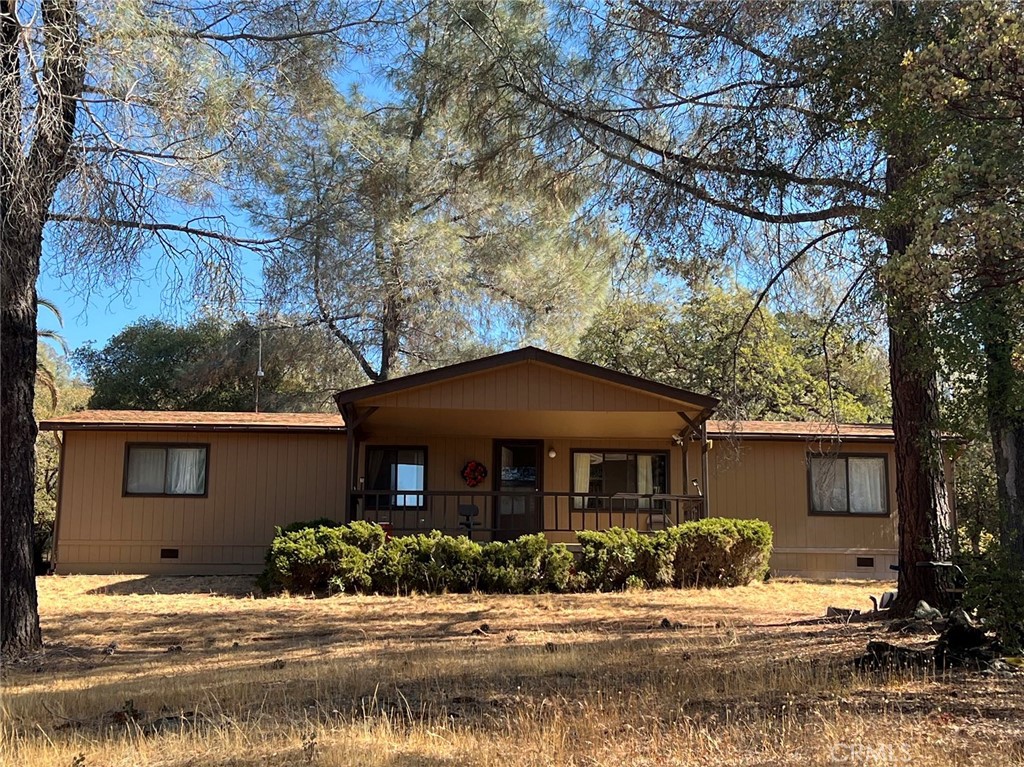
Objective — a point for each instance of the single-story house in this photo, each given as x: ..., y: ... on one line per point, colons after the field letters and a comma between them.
x: 521, y: 442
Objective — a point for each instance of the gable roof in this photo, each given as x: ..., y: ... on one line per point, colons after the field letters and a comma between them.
x: 801, y: 430
x: 166, y: 420
x: 518, y: 356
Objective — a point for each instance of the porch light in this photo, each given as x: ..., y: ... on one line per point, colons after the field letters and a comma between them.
x: 552, y: 453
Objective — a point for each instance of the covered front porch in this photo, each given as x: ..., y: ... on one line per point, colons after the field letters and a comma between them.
x: 525, y: 442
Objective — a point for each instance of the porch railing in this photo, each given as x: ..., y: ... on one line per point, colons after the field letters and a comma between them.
x: 494, y: 515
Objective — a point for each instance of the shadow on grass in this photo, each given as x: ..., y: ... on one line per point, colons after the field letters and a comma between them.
x: 240, y: 586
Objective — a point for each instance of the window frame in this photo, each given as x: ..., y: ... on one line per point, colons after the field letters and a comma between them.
x: 627, y: 451
x: 368, y: 491
x: 844, y: 456
x: 166, y: 446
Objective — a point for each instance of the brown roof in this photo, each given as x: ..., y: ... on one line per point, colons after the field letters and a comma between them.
x: 159, y: 420
x: 525, y: 354
x: 802, y: 430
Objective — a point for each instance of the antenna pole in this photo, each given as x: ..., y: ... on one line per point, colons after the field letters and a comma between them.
x: 259, y: 362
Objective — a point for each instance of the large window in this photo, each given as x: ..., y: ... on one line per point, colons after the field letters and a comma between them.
x: 603, y: 476
x: 165, y: 469
x: 849, y: 484
x: 395, y: 476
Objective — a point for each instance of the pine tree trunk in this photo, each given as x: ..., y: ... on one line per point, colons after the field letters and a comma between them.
x: 923, y: 505
x: 19, y: 617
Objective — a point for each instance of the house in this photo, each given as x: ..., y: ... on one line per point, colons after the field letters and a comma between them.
x: 521, y: 442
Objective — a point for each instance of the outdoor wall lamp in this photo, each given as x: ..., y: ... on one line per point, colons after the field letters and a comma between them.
x: 552, y: 453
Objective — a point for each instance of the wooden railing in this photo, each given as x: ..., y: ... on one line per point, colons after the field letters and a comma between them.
x: 488, y: 514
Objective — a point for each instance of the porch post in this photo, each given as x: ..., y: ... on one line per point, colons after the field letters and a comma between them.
x: 704, y: 467
x: 348, y: 414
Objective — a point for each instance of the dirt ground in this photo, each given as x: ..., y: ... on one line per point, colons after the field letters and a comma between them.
x: 143, y: 670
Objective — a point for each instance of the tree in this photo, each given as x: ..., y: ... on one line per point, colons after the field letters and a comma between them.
x: 773, y: 369
x: 420, y: 228
x: 211, y: 365
x: 116, y: 122
x: 972, y: 80
x: 783, y: 127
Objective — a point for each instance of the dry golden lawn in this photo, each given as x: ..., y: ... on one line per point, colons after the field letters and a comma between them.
x: 743, y: 677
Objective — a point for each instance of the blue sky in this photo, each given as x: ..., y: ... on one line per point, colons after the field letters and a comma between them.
x: 98, y: 315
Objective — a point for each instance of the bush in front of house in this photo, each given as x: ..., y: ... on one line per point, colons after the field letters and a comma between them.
x: 720, y: 552
x: 307, y: 559
x: 707, y: 552
x: 526, y: 565
x: 358, y: 558
x: 294, y: 527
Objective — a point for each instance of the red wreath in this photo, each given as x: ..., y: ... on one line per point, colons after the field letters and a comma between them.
x: 474, y: 473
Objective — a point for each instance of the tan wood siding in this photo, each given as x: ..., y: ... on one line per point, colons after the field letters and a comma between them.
x: 256, y: 481
x: 527, y: 386
x: 765, y: 479
x: 259, y: 480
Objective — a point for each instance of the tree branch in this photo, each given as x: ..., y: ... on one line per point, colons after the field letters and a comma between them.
x: 341, y: 335
x: 763, y: 294
x: 691, y: 162
x: 163, y: 227
x: 63, y: 78
x: 284, y: 37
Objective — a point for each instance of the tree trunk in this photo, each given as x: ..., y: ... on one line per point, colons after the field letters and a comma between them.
x: 923, y: 505
x: 1004, y: 399
x: 925, y: 523
x: 1008, y: 443
x: 19, y: 616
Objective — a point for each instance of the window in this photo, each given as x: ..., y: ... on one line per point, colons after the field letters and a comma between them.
x: 393, y: 477
x: 849, y: 484
x: 605, y: 475
x: 165, y: 469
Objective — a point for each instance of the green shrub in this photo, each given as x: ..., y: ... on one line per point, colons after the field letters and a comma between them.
x: 708, y: 552
x: 358, y: 558
x: 720, y: 552
x: 656, y: 560
x: 994, y: 584
x: 365, y: 536
x: 635, y: 583
x: 321, y: 522
x: 351, y: 571
x: 558, y: 567
x: 391, y: 567
x: 454, y: 564
x: 433, y: 563
x: 526, y: 565
x: 610, y: 557
x: 322, y: 555
x: 305, y: 559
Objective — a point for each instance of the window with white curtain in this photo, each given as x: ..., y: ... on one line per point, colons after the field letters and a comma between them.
x: 165, y: 469
x: 599, y: 477
x: 848, y: 484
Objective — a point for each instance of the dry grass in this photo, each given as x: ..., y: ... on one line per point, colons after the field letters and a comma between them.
x: 744, y: 676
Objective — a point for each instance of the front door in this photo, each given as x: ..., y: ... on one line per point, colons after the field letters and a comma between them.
x: 518, y: 506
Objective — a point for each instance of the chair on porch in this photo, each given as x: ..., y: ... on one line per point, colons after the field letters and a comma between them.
x: 468, y: 517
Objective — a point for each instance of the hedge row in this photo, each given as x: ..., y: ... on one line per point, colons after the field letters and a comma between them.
x: 324, y: 556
